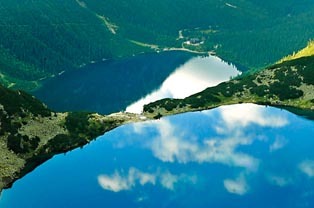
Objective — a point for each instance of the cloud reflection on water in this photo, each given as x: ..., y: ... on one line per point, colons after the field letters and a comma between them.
x: 278, y: 144
x: 280, y: 181
x: 192, y: 77
x: 237, y: 186
x: 242, y: 115
x: 119, y: 181
x: 170, y: 146
x: 307, y: 167
x: 175, y: 144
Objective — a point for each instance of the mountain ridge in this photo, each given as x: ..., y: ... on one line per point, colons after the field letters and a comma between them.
x: 30, y: 133
x: 289, y: 84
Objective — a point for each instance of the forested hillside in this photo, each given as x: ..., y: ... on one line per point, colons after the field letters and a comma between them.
x: 39, y: 39
x: 250, y: 33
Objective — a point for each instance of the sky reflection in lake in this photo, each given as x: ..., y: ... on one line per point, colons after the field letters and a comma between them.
x: 233, y: 156
x: 194, y: 76
x: 251, y: 143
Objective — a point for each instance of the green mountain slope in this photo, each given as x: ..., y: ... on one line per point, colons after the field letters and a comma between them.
x: 30, y: 133
x: 248, y: 32
x: 307, y: 51
x: 289, y: 85
x: 39, y: 39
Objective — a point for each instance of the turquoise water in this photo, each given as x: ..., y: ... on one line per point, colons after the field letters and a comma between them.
x: 235, y: 156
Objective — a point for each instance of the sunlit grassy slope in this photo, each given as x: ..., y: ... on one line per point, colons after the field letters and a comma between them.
x: 307, y: 51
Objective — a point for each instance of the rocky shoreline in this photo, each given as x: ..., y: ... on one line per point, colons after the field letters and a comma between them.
x: 17, y: 164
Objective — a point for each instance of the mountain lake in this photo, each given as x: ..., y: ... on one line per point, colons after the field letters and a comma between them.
x: 234, y: 156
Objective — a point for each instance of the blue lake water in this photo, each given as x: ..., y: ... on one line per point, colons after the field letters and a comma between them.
x: 234, y: 156
x: 113, y: 85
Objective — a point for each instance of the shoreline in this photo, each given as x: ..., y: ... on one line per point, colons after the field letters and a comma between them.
x: 49, y: 150
x: 122, y: 118
x: 190, y: 51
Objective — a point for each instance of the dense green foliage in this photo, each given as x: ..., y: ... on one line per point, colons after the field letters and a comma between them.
x: 62, y: 143
x: 249, y: 32
x: 304, y: 66
x: 39, y: 39
x: 77, y: 122
x: 308, y: 75
x: 18, y: 103
x: 22, y: 144
x: 82, y: 128
x: 16, y: 108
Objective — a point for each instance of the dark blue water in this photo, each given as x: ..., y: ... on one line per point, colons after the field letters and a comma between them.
x: 236, y: 156
x: 112, y: 85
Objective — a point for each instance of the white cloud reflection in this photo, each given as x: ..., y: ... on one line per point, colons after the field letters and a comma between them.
x: 231, y: 131
x: 237, y: 186
x: 192, y: 77
x: 279, y: 143
x: 173, y: 145
x: 122, y: 182
x: 117, y: 182
x: 307, y: 167
x: 243, y: 115
x: 168, y: 180
x: 279, y: 180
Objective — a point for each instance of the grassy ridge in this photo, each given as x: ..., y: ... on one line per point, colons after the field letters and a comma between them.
x: 289, y: 84
x: 307, y: 51
x: 30, y: 133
